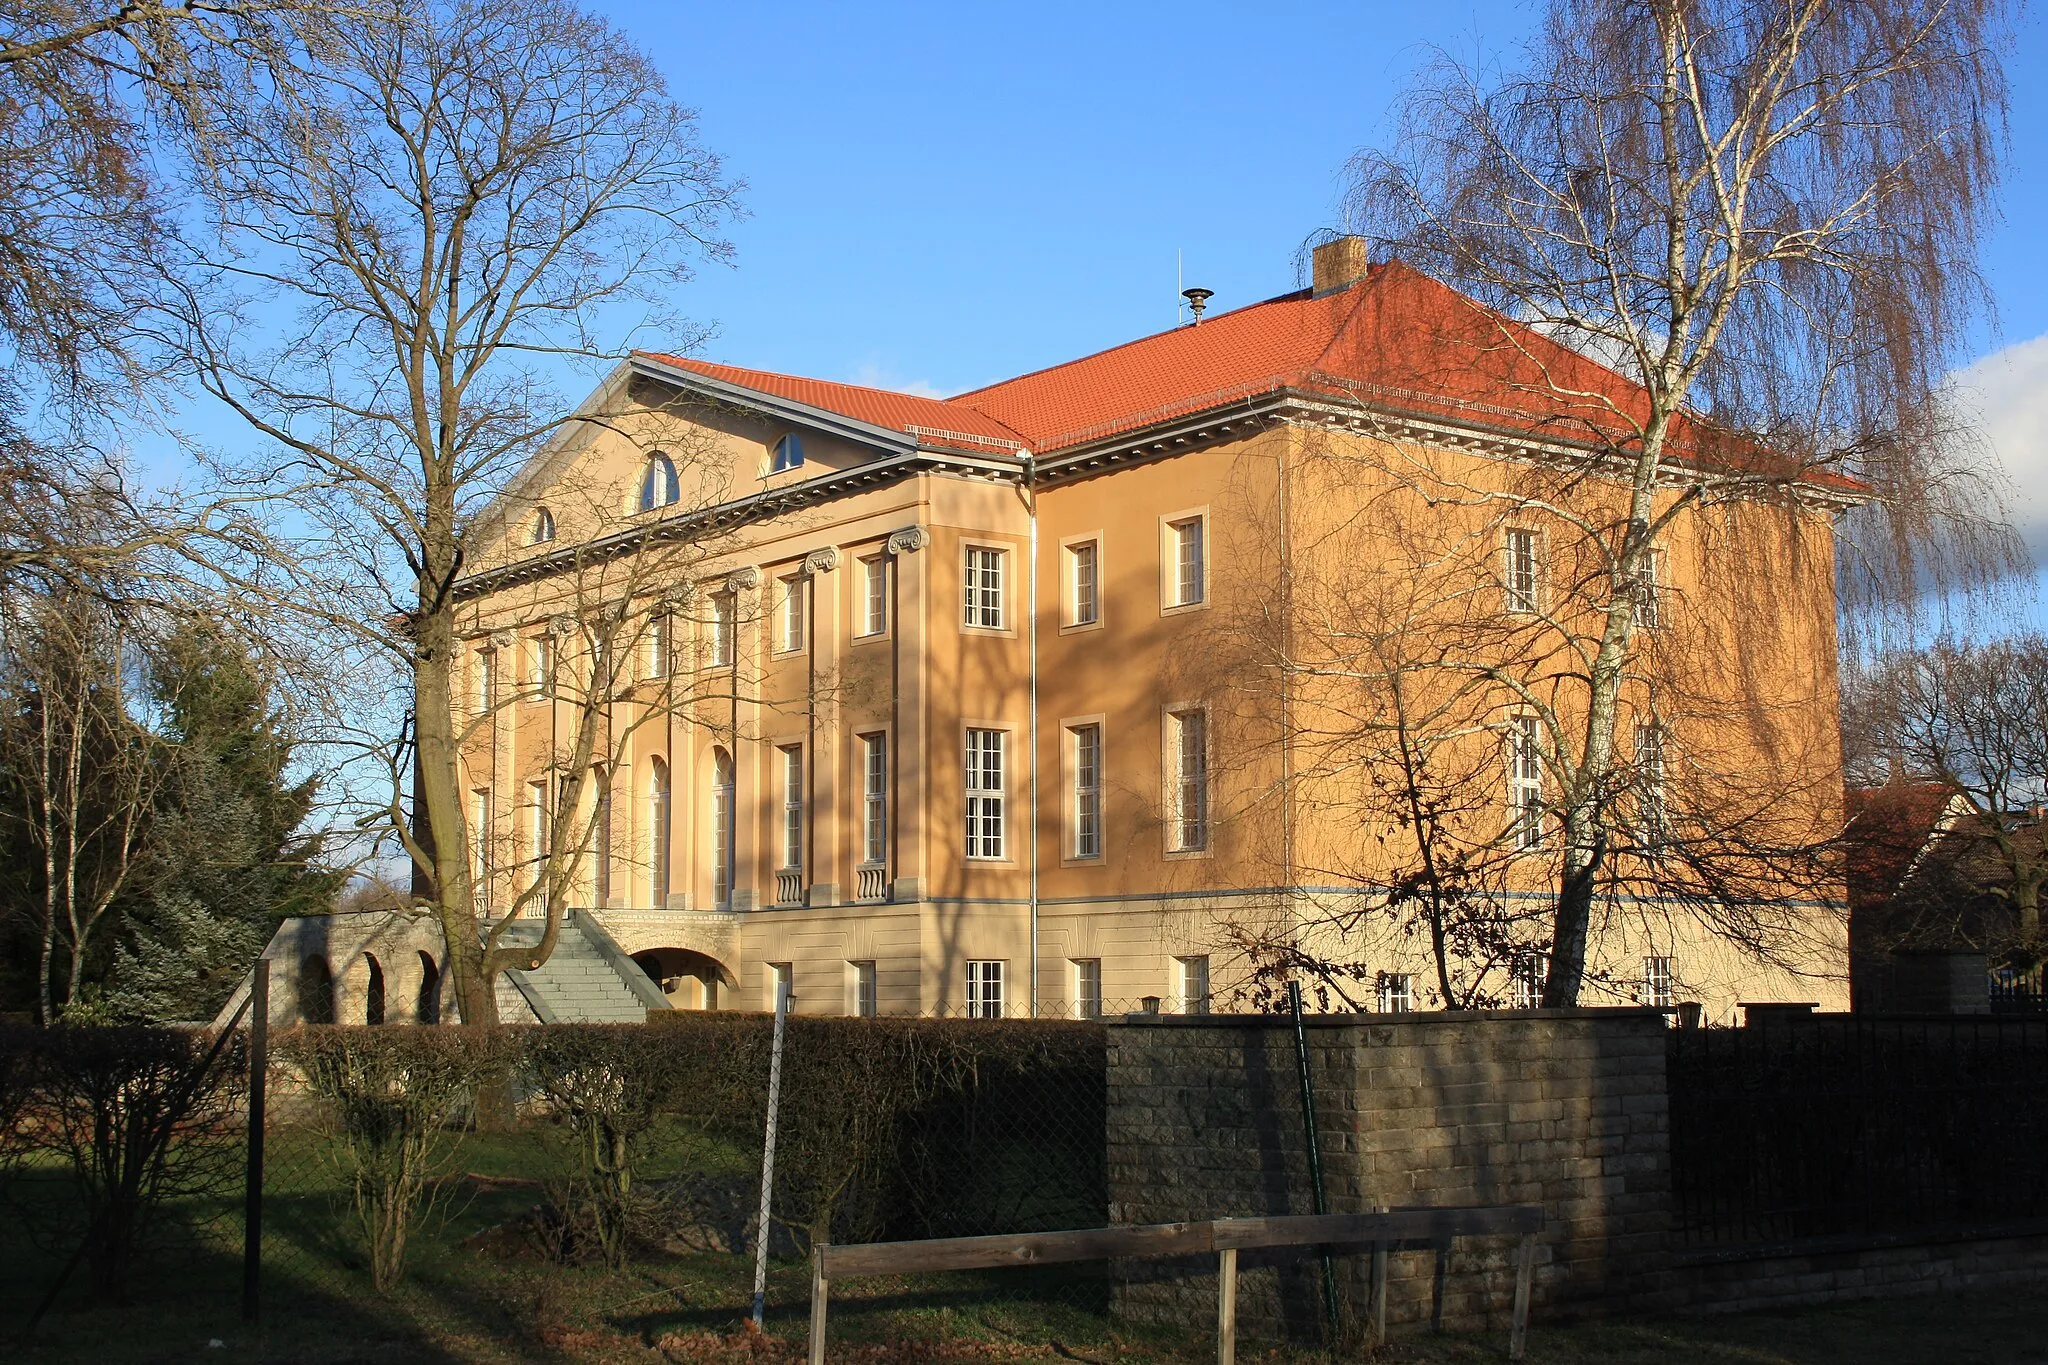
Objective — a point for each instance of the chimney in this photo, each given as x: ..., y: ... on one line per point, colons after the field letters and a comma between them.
x: 1339, y: 264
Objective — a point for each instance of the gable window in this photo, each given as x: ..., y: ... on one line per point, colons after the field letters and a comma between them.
x: 1525, y: 783
x: 1519, y: 573
x: 1087, y: 760
x: 984, y: 580
x: 1648, y: 589
x: 874, y: 582
x: 659, y: 486
x: 985, y: 793
x: 789, y: 614
x: 789, y: 454
x: 984, y: 990
x: 1187, y: 586
x: 543, y: 529
x: 1084, y: 588
x: 1188, y: 753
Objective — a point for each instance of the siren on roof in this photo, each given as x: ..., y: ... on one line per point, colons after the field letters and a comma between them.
x: 1198, y: 299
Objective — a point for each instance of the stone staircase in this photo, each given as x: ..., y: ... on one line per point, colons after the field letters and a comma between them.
x: 587, y: 980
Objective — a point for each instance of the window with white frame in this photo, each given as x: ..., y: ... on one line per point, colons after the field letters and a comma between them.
x: 1525, y: 782
x: 660, y: 805
x: 723, y: 610
x: 657, y: 644
x: 721, y: 828
x: 542, y: 528
x: 863, y: 974
x: 788, y: 454
x: 1193, y: 984
x: 874, y: 585
x: 486, y: 680
x: 1651, y: 814
x: 1188, y: 756
x: 1086, y: 744
x: 1396, y: 992
x: 540, y: 665
x: 1531, y: 970
x: 874, y: 825
x: 984, y: 772
x: 1087, y: 987
x: 1187, y: 585
x: 789, y: 614
x: 1520, y: 573
x: 659, y: 486
x: 984, y: 588
x: 1084, y: 586
x: 1657, y: 982
x: 539, y: 819
x: 792, y: 805
x: 984, y: 990
x: 1649, y: 588
x: 481, y: 843
x: 781, y: 984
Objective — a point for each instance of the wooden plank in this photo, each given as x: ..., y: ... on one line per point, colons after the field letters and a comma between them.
x: 819, y: 1287
x: 1017, y: 1249
x: 1525, y: 1280
x: 1226, y: 1306
x: 1396, y: 1225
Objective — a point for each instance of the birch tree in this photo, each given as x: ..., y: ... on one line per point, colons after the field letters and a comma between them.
x: 1765, y: 217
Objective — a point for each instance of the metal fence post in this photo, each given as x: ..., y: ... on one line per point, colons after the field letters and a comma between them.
x: 783, y: 996
x: 1315, y: 1150
x: 252, y: 1193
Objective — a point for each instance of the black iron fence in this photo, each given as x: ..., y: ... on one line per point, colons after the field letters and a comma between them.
x: 1858, y: 1125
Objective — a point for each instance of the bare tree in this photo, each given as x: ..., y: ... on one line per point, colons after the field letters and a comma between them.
x: 450, y: 198
x: 1763, y: 220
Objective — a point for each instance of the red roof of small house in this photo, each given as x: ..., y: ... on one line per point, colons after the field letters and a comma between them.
x: 1888, y: 827
x: 1397, y: 339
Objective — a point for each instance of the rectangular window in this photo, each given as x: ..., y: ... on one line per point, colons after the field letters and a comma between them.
x: 722, y: 611
x: 1087, y: 988
x: 538, y: 819
x: 1525, y: 783
x: 480, y: 832
x: 1188, y: 583
x: 1649, y: 588
x: 1657, y: 982
x: 789, y: 615
x: 984, y: 579
x: 985, y: 793
x: 874, y: 798
x: 486, y: 680
x: 1651, y: 815
x: 1531, y: 971
x: 1087, y: 758
x: 1190, y: 757
x: 863, y: 989
x: 781, y: 984
x: 874, y: 617
x: 984, y: 990
x: 1194, y: 984
x: 1084, y: 589
x: 657, y: 645
x: 1396, y: 993
x: 540, y: 665
x: 792, y: 805
x: 1520, y: 571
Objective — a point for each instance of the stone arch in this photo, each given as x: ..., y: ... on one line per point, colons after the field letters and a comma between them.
x: 314, y: 989
x: 427, y: 1007
x: 692, y: 976
x: 373, y: 990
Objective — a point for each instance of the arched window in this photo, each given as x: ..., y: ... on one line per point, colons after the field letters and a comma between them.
x: 543, y: 527
x: 373, y: 994
x: 658, y: 487
x: 657, y: 825
x: 427, y: 1009
x: 721, y: 829
x: 789, y: 454
x: 315, y: 989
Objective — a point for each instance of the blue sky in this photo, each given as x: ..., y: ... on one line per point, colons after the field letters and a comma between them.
x: 944, y: 195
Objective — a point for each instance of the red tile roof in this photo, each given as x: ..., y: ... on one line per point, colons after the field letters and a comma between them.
x: 1398, y: 339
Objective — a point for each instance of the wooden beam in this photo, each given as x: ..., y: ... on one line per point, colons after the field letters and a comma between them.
x: 1017, y: 1249
x: 1525, y: 1278
x: 819, y: 1288
x: 1226, y: 1306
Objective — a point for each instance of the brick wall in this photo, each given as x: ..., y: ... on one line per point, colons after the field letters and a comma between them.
x: 1562, y: 1108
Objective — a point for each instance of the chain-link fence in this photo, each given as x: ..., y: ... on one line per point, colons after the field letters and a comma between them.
x: 570, y: 1187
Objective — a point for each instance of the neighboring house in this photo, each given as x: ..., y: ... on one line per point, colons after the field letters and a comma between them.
x: 957, y: 741
x: 1929, y: 927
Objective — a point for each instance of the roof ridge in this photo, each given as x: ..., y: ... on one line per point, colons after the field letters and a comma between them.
x: 1288, y: 297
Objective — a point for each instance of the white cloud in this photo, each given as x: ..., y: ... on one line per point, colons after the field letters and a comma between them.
x: 2010, y: 390
x: 869, y: 374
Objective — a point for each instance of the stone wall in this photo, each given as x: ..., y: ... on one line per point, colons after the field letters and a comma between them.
x: 1562, y: 1108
